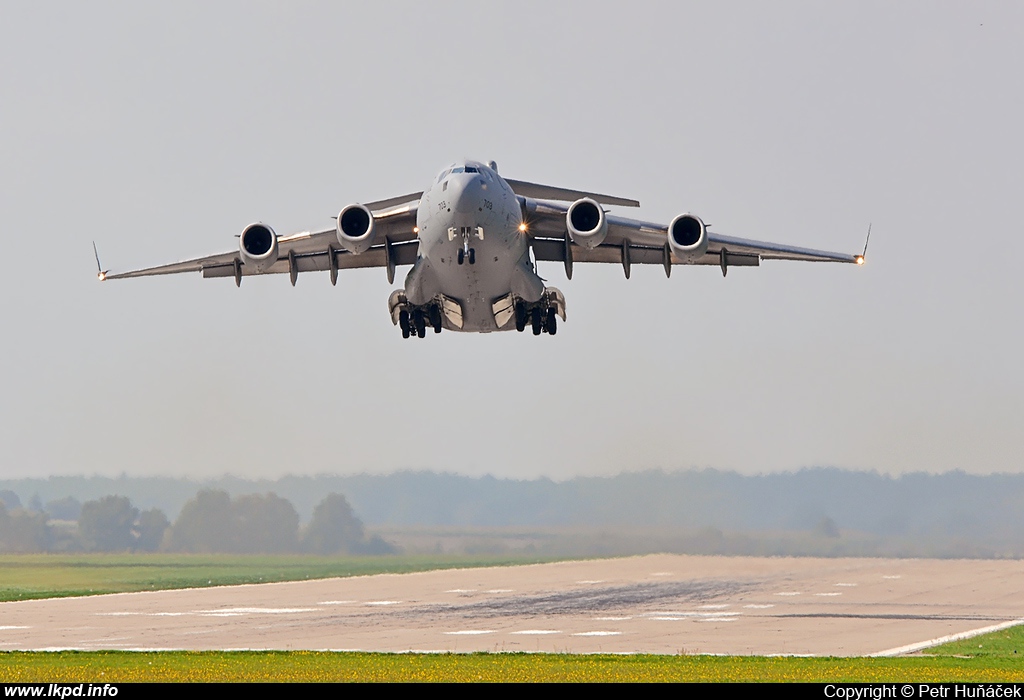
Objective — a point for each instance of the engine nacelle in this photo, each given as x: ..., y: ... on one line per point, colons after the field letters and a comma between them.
x: 258, y: 244
x: 688, y: 237
x: 586, y: 223
x: 355, y: 228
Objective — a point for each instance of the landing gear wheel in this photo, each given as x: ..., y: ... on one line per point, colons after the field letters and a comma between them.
x: 403, y: 322
x: 472, y: 256
x: 420, y: 323
x: 552, y: 324
x: 435, y: 318
x: 520, y: 316
x: 535, y: 321
x: 462, y: 256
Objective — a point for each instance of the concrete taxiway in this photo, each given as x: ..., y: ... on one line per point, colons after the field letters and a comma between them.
x: 657, y: 604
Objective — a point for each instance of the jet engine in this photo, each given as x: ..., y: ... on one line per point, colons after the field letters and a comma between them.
x: 258, y: 244
x: 688, y: 237
x: 355, y: 228
x: 586, y: 223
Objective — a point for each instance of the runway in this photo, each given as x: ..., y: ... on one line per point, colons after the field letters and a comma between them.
x: 665, y: 604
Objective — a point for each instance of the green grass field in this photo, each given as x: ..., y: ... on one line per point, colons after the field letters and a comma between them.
x: 26, y: 576
x: 990, y: 658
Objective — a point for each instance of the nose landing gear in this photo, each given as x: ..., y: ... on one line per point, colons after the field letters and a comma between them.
x: 465, y: 251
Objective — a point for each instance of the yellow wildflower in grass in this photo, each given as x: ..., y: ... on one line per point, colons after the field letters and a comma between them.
x: 119, y: 667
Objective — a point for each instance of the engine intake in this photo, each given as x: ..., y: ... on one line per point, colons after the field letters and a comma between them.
x: 355, y: 228
x: 258, y: 244
x: 688, y: 237
x: 586, y: 223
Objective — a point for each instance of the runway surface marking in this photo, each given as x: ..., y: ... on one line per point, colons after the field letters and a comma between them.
x: 675, y: 616
x: 145, y: 614
x: 596, y: 633
x: 691, y: 613
x: 537, y: 632
x: 918, y: 646
x: 229, y: 612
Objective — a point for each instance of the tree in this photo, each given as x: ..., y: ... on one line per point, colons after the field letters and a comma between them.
x: 265, y: 524
x: 205, y: 524
x: 826, y: 527
x: 213, y: 522
x: 64, y: 508
x: 334, y: 527
x: 150, y: 528
x: 22, y: 531
x: 9, y: 499
x: 106, y: 525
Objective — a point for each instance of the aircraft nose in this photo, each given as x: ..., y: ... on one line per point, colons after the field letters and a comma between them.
x: 465, y: 193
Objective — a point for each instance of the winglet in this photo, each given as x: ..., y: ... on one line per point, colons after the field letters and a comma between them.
x: 860, y: 258
x: 101, y: 274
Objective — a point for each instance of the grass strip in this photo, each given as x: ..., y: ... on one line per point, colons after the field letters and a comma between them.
x: 28, y: 576
x: 305, y: 666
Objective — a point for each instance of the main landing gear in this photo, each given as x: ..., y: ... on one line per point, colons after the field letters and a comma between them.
x: 414, y: 320
x: 540, y: 317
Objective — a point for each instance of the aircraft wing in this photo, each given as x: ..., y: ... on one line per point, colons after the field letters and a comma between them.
x: 630, y: 241
x: 395, y: 243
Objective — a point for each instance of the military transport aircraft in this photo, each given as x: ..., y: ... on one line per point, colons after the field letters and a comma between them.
x: 473, y: 239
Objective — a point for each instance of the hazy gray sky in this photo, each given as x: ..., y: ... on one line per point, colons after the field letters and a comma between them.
x: 160, y: 131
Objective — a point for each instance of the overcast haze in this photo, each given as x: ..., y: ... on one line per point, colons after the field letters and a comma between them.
x: 161, y: 131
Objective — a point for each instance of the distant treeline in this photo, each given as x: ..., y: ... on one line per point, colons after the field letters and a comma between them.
x: 974, y: 513
x: 212, y: 521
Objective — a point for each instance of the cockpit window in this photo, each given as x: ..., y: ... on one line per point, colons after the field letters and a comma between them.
x: 459, y: 169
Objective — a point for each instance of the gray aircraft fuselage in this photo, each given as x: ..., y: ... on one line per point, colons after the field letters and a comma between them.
x: 472, y: 211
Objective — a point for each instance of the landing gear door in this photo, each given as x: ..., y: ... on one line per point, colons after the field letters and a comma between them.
x: 503, y: 309
x: 452, y: 310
